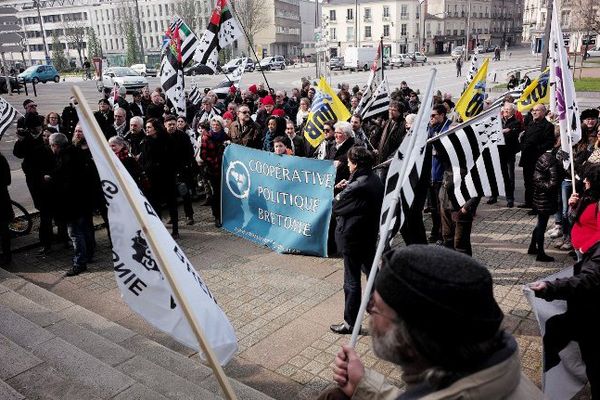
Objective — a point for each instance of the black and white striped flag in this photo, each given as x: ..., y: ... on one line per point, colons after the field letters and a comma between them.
x: 189, y: 40
x: 195, y: 96
x: 379, y: 103
x: 233, y: 79
x: 473, y: 152
x: 515, y: 93
x: 405, y: 170
x: 7, y: 115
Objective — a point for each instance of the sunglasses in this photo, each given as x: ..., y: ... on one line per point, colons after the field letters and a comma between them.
x: 326, y: 130
x: 434, y: 115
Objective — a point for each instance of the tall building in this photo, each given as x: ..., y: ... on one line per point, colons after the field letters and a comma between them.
x: 281, y: 32
x: 364, y: 23
x: 308, y: 22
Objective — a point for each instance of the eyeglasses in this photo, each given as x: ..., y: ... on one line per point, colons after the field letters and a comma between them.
x: 434, y: 115
x: 326, y: 130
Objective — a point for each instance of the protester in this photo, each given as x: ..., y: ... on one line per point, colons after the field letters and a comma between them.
x: 458, y: 351
x: 547, y: 177
x: 52, y: 120
x: 121, y: 149
x: 360, y: 138
x: 323, y: 149
x: 356, y: 209
x: 303, y: 112
x: 137, y: 107
x: 280, y: 146
x: 105, y: 118
x: 299, y: 145
x: 582, y: 290
x: 392, y: 134
x: 244, y: 131
x: 6, y: 213
x: 120, y: 124
x: 338, y: 151
x: 135, y: 135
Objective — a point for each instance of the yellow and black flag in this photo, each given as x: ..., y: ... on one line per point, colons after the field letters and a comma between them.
x: 537, y: 92
x: 470, y: 103
x: 326, y: 107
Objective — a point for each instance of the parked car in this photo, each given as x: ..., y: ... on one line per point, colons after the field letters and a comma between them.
x: 274, y: 62
x: 122, y: 77
x: 336, y: 63
x: 40, y: 73
x: 593, y: 53
x: 15, y: 84
x: 418, y: 57
x: 457, y: 52
x: 199, y: 69
x: 233, y: 64
x: 480, y: 49
x: 490, y: 49
x: 397, y: 61
x: 144, y: 70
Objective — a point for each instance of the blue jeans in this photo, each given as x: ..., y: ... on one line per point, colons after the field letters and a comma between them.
x: 81, y: 232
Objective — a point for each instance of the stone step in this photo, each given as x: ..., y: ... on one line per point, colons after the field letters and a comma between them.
x: 8, y: 393
x: 77, y: 342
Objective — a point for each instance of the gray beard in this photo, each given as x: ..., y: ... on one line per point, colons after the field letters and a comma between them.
x: 393, y: 346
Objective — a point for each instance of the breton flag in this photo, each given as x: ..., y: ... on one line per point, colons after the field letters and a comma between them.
x: 564, y: 91
x: 171, y: 73
x: 139, y: 273
x: 537, y: 92
x: 7, y: 115
x: 195, y: 96
x: 375, y: 79
x: 222, y: 30
x: 515, y: 93
x: 233, y: 79
x: 473, y: 68
x: 379, y: 103
x: 470, y: 103
x: 189, y: 40
x: 405, y: 169
x: 326, y: 106
x: 473, y: 152
x: 564, y: 371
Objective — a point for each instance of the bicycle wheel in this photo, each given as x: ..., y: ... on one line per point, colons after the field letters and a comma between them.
x: 21, y: 222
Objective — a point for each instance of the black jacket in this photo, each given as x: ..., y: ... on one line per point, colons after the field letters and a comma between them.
x: 340, y: 154
x: 388, y: 139
x: 38, y: 161
x: 546, y: 183
x: 357, y: 210
x: 182, y: 154
x: 511, y: 138
x: 5, y: 206
x: 106, y: 123
x: 538, y: 137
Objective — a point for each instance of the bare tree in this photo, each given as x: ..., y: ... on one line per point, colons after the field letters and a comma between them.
x: 126, y: 24
x: 75, y: 33
x: 585, y: 17
x: 252, y: 15
x: 191, y: 11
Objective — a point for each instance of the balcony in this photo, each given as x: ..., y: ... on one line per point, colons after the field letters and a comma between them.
x: 367, y: 19
x: 386, y: 18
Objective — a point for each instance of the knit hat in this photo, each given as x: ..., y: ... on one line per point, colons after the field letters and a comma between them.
x: 441, y: 292
x: 278, y: 112
x: 589, y: 113
x: 253, y: 89
x: 228, y: 115
x: 267, y: 100
x: 26, y: 102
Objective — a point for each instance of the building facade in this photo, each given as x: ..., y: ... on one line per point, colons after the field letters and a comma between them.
x: 363, y: 24
x: 281, y: 33
x: 308, y: 21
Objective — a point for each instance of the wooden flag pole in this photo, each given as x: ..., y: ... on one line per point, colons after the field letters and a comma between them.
x: 388, y: 221
x: 157, y: 250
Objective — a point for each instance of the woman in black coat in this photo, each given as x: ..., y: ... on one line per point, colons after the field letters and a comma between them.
x: 547, y: 178
x: 356, y: 209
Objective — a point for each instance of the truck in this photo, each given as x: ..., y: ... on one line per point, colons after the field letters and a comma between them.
x: 357, y: 58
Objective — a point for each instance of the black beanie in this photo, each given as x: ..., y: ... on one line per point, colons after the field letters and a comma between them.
x: 589, y: 113
x: 440, y: 291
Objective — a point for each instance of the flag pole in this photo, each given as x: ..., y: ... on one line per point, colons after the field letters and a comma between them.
x: 157, y: 250
x: 381, y: 244
x: 251, y: 47
x: 483, y: 115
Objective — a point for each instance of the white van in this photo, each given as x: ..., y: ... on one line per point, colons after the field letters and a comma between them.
x: 357, y: 58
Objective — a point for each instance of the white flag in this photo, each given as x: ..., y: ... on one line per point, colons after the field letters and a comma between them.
x: 139, y: 275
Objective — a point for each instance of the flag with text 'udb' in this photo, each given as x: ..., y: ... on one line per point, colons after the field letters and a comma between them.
x: 7, y: 115
x: 536, y: 93
x: 139, y: 274
x: 470, y: 103
x: 473, y: 152
x: 222, y: 30
x: 326, y: 107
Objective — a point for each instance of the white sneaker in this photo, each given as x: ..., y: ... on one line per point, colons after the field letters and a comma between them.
x: 555, y: 232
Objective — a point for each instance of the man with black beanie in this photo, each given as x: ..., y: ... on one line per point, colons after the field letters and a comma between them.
x: 433, y: 313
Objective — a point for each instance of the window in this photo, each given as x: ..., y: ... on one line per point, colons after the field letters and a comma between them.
x: 332, y: 15
x: 332, y: 35
x: 367, y: 31
x: 350, y: 33
x: 367, y: 14
x: 350, y: 14
x: 403, y: 29
x: 403, y: 11
x: 386, y: 11
x: 386, y: 30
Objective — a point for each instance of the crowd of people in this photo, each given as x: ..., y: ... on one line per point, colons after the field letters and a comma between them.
x: 165, y: 153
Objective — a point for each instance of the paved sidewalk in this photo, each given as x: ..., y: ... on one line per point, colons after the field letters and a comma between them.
x: 282, y: 305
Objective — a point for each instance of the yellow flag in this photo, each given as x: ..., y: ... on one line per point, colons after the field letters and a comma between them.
x: 537, y: 92
x: 471, y: 102
x: 326, y: 107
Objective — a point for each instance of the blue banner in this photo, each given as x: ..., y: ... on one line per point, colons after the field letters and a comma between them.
x: 280, y: 201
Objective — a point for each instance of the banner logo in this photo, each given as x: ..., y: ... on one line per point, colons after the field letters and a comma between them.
x: 238, y: 180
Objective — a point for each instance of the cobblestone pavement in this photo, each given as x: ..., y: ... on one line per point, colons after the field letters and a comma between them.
x: 282, y: 305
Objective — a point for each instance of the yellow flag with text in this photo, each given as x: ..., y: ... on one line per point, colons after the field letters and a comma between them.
x: 470, y: 103
x: 326, y: 107
x: 537, y: 92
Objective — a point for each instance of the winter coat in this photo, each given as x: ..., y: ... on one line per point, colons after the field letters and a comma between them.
x: 340, y: 154
x: 502, y: 379
x: 538, y: 137
x: 182, y: 153
x: 546, y: 183
x: 511, y: 139
x: 38, y: 161
x: 211, y: 151
x: 248, y: 135
x: 391, y: 136
x: 356, y: 210
x: 5, y: 206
